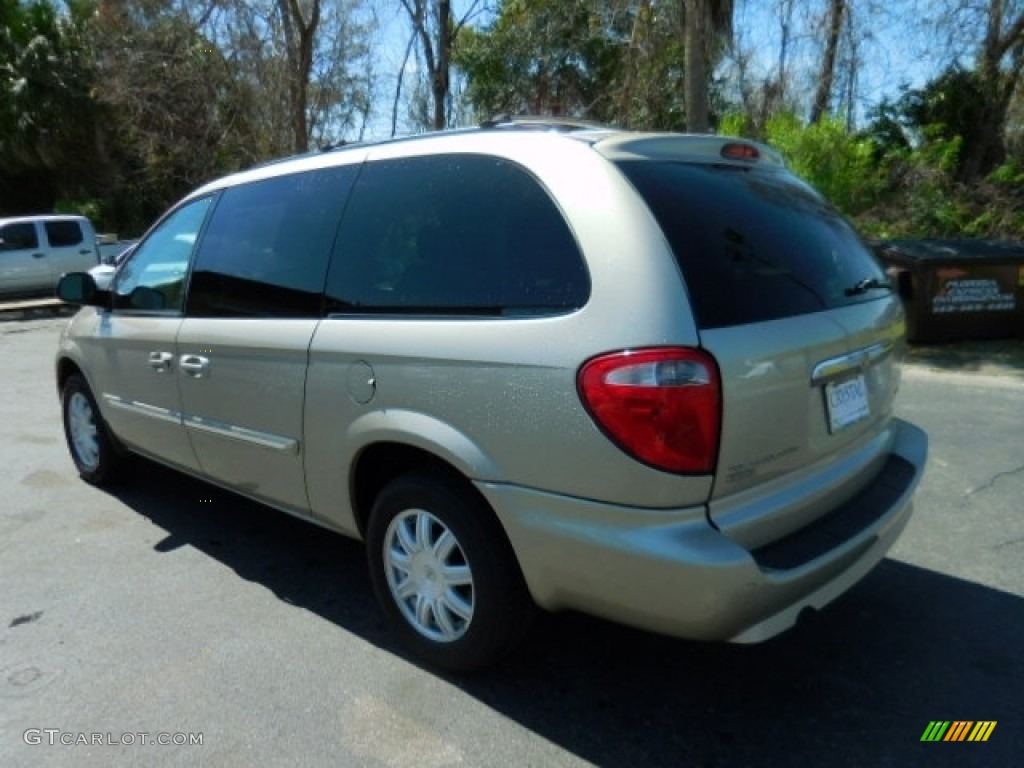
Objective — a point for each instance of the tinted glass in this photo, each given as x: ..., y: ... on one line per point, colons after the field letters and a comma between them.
x: 154, y: 277
x: 454, y: 234
x: 754, y: 246
x: 265, y: 251
x: 18, y: 236
x: 63, y: 233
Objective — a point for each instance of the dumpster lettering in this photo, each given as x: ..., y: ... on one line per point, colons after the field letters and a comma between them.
x: 994, y: 292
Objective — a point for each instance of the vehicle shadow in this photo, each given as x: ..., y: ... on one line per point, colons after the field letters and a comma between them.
x: 994, y: 356
x: 854, y: 686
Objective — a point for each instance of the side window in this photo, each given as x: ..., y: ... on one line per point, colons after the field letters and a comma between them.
x: 153, y: 278
x: 265, y: 251
x: 63, y: 233
x: 454, y: 234
x: 15, y: 237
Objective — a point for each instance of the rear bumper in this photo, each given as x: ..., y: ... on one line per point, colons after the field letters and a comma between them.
x: 669, y: 571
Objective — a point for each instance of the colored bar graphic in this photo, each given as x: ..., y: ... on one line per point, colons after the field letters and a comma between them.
x: 982, y: 730
x: 958, y: 730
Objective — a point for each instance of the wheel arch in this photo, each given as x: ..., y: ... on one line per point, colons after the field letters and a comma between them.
x: 377, y: 464
x: 66, y: 367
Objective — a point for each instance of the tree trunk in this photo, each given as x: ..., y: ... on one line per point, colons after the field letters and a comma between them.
x: 300, y: 37
x: 440, y: 79
x: 695, y: 77
x: 836, y: 8
x: 997, y: 86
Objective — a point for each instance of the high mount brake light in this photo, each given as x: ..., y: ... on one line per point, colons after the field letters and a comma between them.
x: 661, y: 406
x: 739, y: 151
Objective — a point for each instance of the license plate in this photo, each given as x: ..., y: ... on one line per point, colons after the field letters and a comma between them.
x: 846, y: 403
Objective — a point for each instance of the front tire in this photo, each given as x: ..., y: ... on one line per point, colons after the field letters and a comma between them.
x: 93, y: 450
x: 445, y: 574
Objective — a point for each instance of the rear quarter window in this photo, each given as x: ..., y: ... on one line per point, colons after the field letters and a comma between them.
x: 753, y: 245
x: 454, y: 234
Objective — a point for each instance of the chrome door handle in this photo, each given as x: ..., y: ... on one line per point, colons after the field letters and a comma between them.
x: 160, y: 361
x: 195, y: 366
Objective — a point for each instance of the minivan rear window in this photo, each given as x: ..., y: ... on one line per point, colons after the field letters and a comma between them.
x: 755, y: 245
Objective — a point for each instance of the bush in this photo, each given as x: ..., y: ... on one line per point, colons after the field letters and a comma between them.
x: 896, y: 190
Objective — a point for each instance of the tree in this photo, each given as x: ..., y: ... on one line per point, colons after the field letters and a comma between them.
x: 435, y: 30
x: 1000, y: 63
x: 708, y: 28
x: 48, y: 124
x: 834, y: 28
x: 308, y: 87
x: 300, y: 29
x: 544, y: 57
x: 176, y: 113
x: 611, y: 61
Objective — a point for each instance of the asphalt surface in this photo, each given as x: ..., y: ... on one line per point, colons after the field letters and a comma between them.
x: 172, y: 609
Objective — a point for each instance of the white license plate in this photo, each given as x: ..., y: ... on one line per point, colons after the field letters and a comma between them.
x: 846, y: 403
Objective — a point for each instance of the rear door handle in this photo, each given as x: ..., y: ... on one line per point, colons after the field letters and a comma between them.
x: 38, y: 255
x: 160, y: 361
x: 195, y: 366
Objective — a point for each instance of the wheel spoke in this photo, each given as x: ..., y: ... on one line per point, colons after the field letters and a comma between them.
x: 399, y: 558
x: 457, y: 576
x: 406, y: 588
x: 424, y: 612
x: 444, y: 545
x: 444, y: 620
x: 407, y: 536
x: 455, y: 603
x: 424, y: 523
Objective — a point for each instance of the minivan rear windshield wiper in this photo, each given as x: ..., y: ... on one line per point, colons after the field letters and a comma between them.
x: 867, y: 284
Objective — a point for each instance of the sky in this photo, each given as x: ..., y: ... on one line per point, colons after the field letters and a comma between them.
x: 894, y: 46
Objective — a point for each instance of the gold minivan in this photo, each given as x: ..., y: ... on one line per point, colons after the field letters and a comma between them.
x: 645, y: 376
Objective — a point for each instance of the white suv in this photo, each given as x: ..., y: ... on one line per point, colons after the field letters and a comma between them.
x: 36, y: 250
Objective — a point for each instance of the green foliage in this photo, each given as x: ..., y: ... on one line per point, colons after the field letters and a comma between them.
x: 604, y: 60
x: 119, y: 107
x: 540, y: 57
x: 892, y: 187
x: 47, y: 121
x: 1010, y: 174
x: 736, y: 124
x: 838, y: 163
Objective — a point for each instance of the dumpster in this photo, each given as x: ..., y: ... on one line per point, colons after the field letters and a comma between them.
x: 957, y: 289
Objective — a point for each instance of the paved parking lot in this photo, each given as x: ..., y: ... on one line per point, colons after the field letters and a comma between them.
x: 169, y: 610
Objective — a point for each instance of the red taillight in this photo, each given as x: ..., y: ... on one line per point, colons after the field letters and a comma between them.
x: 662, y: 406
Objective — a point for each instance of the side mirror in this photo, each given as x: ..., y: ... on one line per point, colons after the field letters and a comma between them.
x: 78, y: 288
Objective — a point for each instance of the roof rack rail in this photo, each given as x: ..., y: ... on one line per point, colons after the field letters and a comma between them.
x: 549, y: 122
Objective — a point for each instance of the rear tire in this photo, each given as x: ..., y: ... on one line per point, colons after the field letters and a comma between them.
x: 445, y: 574
x: 97, y: 458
